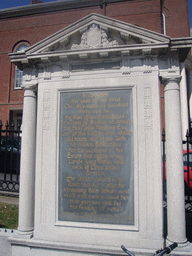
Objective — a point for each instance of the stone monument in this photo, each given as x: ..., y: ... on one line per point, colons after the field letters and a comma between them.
x: 94, y: 179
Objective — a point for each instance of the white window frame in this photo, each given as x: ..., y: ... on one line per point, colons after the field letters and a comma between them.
x: 19, y: 73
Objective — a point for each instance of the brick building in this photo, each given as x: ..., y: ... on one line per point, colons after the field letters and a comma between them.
x: 24, y: 26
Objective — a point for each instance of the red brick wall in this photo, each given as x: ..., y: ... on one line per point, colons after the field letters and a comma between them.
x: 177, y: 18
x: 146, y: 14
x: 31, y: 29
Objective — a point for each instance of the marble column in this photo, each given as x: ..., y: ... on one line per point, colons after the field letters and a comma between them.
x: 174, y: 162
x: 27, y: 167
x: 184, y: 102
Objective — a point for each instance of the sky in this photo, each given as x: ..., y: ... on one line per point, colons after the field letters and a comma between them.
x: 190, y: 11
x: 15, y: 3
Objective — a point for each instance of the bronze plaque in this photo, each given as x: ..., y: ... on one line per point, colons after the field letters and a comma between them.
x: 96, y: 181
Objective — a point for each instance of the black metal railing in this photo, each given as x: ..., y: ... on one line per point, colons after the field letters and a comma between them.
x: 187, y: 166
x: 10, y: 149
x: 187, y: 161
x: 164, y: 161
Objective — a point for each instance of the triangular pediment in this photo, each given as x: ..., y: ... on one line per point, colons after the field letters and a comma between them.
x: 98, y: 36
x: 97, y: 32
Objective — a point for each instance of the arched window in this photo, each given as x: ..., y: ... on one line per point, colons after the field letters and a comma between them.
x: 18, y: 72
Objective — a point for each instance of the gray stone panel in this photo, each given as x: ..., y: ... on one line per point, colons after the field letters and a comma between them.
x: 96, y: 157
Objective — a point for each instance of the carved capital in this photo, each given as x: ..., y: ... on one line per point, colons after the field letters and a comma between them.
x: 30, y: 86
x: 171, y: 82
x: 30, y: 89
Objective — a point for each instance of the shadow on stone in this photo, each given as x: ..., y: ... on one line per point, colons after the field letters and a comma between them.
x: 188, y: 215
x: 189, y: 225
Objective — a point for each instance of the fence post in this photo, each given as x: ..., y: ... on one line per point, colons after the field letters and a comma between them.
x: 9, y: 158
x: 164, y: 181
x: 0, y: 141
x: 187, y: 141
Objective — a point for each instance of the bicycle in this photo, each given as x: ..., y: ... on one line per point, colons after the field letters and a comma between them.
x: 160, y: 252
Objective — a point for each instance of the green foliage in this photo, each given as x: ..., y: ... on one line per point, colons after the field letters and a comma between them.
x: 8, y: 216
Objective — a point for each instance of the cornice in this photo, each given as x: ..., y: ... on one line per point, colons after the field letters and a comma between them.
x: 52, y: 7
x: 24, y: 58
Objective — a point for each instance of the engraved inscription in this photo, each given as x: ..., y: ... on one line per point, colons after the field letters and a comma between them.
x: 46, y: 110
x: 96, y: 157
x: 148, y: 108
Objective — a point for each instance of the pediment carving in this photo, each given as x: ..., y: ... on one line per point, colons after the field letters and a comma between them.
x: 96, y: 31
x: 94, y: 37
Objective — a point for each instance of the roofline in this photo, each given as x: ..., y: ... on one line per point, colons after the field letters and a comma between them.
x: 99, y: 19
x: 52, y: 7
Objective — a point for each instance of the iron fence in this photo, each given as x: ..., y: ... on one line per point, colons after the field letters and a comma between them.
x: 187, y: 167
x: 10, y: 149
x: 187, y: 179
x: 187, y: 161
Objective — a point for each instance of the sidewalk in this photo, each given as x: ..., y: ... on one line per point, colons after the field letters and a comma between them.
x: 9, y: 200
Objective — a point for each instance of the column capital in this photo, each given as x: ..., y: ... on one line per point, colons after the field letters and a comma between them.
x: 30, y: 90
x: 170, y: 79
x: 32, y: 85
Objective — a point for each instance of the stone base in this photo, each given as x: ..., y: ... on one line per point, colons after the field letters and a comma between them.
x: 33, y: 247
x: 184, y: 248
x: 25, y: 234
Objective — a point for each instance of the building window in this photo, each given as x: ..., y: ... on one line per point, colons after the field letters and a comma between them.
x: 16, y: 118
x: 18, y: 72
